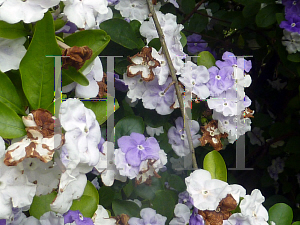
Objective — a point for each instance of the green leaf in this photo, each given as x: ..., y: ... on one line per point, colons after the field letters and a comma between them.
x: 127, y: 207
x: 188, y: 6
x: 71, y: 74
x: 129, y: 124
x: 37, y: 70
x: 261, y: 120
x: 183, y: 39
x: 12, y: 31
x: 267, y: 15
x: 121, y: 32
x: 206, y: 59
x: 87, y: 204
x: 164, y: 204
x: 100, y: 109
x: 58, y: 23
x: 148, y: 192
x: 163, y: 142
x: 96, y: 40
x: 278, y: 129
x: 294, y: 57
x: 215, y: 164
x: 296, y: 223
x: 41, y: 204
x: 177, y: 183
x: 292, y: 145
x: 251, y: 9
x: 155, y: 43
x: 280, y: 17
x: 9, y: 95
x: 281, y: 213
x: 106, y: 196
x: 198, y: 22
x: 128, y: 189
x: 11, y: 125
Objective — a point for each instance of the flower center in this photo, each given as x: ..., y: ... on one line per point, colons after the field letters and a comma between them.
x: 182, y: 137
x: 205, y: 192
x: 32, y: 166
x: 294, y: 3
x: 86, y: 130
x: 2, y: 185
x: 141, y: 80
x: 133, y: 5
x: 293, y: 24
x: 193, y: 82
x: 161, y: 94
x: 195, y: 44
x: 80, y: 216
x: 140, y: 147
x: 226, y: 122
x: 185, y: 200
x: 225, y: 103
x: 218, y: 77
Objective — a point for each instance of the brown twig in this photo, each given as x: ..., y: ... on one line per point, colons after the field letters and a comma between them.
x: 174, y: 78
x: 192, y: 13
x: 169, y: 86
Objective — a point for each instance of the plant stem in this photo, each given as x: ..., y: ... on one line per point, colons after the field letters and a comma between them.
x: 192, y: 13
x: 174, y: 78
x: 62, y: 45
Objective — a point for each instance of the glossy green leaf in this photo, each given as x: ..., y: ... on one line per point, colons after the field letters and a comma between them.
x: 251, y: 9
x: 100, y: 109
x: 198, y: 22
x: 41, y: 204
x: 127, y: 207
x: 294, y: 57
x: 281, y: 213
x: 164, y: 204
x: 129, y: 124
x: 296, y: 223
x: 148, y: 192
x: 155, y: 43
x: 9, y: 95
x: 128, y: 189
x: 215, y: 164
x: 87, y: 204
x: 261, y: 120
x: 120, y: 32
x: 12, y: 31
x: 206, y: 59
x: 11, y: 125
x: 37, y: 70
x: 177, y: 183
x: 58, y: 23
x: 106, y: 196
x: 267, y: 15
x: 72, y: 75
x: 279, y: 17
x: 183, y: 39
x: 96, y: 40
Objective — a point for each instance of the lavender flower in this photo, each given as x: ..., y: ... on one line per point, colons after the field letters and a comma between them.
x: 137, y: 148
x: 231, y: 60
x: 195, y: 43
x: 120, y: 84
x: 113, y: 2
x: 196, y: 219
x: 184, y: 198
x: 69, y: 27
x: 149, y: 217
x: 220, y: 80
x: 276, y: 168
x: 77, y: 217
x: 292, y: 24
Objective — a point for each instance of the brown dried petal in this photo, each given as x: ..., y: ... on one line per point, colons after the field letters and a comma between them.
x: 142, y: 63
x: 122, y: 219
x: 78, y: 56
x: 228, y: 203
x: 248, y: 113
x: 45, y: 122
x: 102, y: 86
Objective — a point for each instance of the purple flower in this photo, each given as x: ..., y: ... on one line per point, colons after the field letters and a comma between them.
x: 291, y: 7
x: 69, y: 27
x: 120, y: 84
x: 292, y: 24
x: 3, y: 222
x: 184, y: 198
x: 196, y: 219
x: 220, y: 80
x: 137, y: 148
x: 230, y: 60
x: 113, y: 2
x: 195, y: 44
x: 100, y: 145
x: 77, y: 217
x: 149, y: 217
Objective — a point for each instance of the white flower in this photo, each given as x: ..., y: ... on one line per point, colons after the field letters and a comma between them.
x: 182, y: 215
x: 83, y: 12
x: 108, y: 173
x: 101, y: 217
x: 194, y: 78
x: 134, y: 9
x: 276, y: 84
x: 71, y: 186
x: 12, y: 11
x: 124, y: 168
x: 15, y: 190
x: 2, y: 147
x: 82, y: 133
x: 241, y: 81
x: 252, y: 206
x: 94, y: 73
x: 154, y: 131
x: 136, y: 87
x: 238, y: 218
x: 51, y: 218
x: 205, y: 192
x: 100, y: 17
x: 256, y: 137
x: 45, y: 175
x: 291, y: 41
x: 11, y: 52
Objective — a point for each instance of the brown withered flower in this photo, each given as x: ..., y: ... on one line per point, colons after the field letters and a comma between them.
x: 148, y: 169
x: 102, y: 86
x: 222, y: 212
x: 248, y: 113
x: 78, y: 56
x: 212, y: 135
x: 142, y: 64
x: 40, y: 141
x: 122, y: 219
